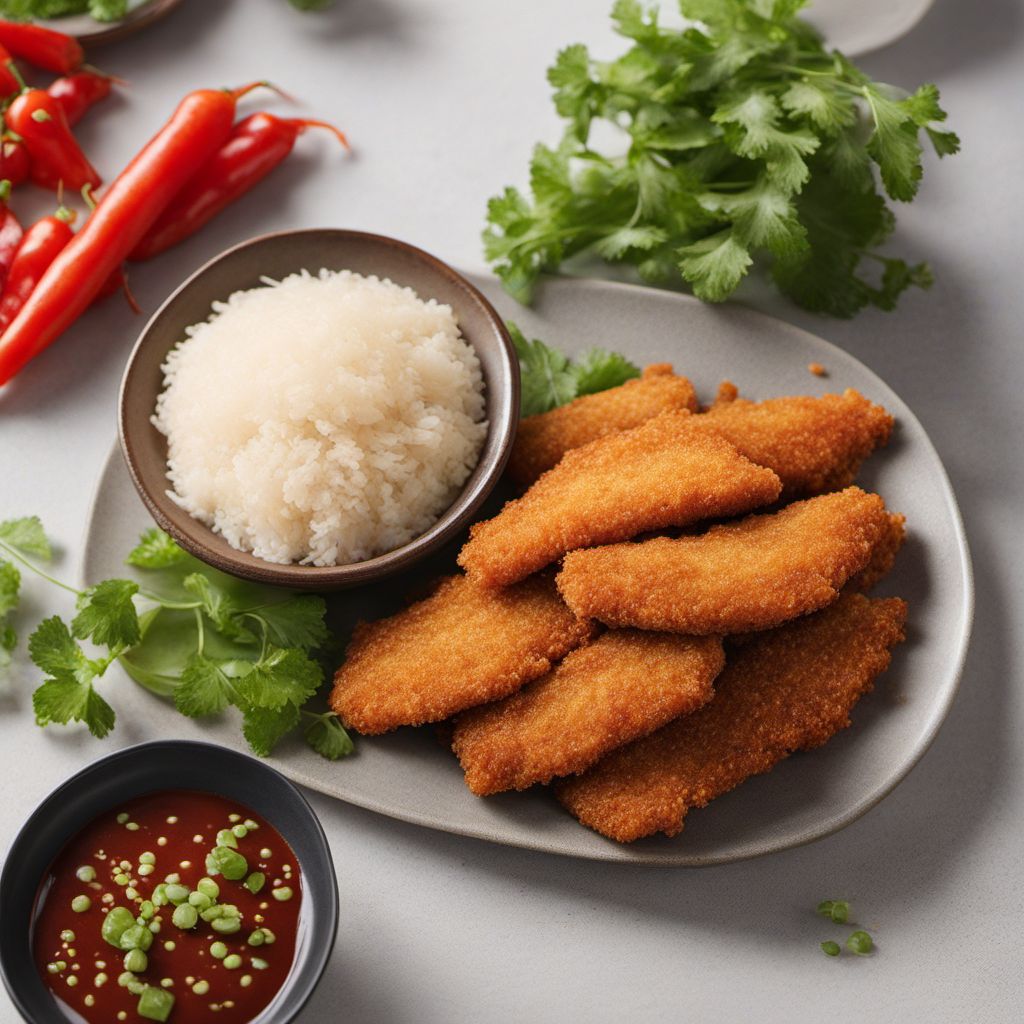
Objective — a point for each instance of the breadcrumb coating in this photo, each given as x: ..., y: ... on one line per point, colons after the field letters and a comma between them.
x: 623, y: 685
x: 791, y: 689
x: 813, y: 444
x: 883, y: 556
x: 663, y: 473
x: 749, y: 575
x: 542, y: 440
x: 462, y: 646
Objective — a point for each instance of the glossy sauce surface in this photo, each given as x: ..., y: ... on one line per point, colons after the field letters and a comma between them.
x: 119, y: 860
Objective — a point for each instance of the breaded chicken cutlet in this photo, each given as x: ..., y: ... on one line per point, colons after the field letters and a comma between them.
x: 749, y: 575
x: 542, y: 440
x: 790, y: 689
x: 813, y: 444
x: 660, y: 474
x: 462, y: 646
x: 623, y: 685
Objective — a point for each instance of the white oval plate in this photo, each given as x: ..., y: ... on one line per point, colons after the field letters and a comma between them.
x: 860, y: 26
x: 409, y: 775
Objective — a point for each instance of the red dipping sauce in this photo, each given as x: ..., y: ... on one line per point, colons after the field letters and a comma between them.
x: 139, y: 877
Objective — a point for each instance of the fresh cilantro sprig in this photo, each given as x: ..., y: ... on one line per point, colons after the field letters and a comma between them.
x: 743, y: 140
x: 188, y: 632
x: 550, y: 378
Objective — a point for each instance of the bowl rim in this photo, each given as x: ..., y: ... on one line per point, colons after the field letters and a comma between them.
x: 319, y: 954
x: 311, y: 577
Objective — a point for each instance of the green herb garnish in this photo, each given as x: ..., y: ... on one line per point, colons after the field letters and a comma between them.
x: 860, y: 943
x: 190, y: 633
x: 550, y: 378
x: 830, y: 948
x: 742, y: 139
x: 835, y: 910
x: 100, y: 10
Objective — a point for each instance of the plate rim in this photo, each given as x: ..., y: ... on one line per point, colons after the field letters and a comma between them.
x: 621, y: 853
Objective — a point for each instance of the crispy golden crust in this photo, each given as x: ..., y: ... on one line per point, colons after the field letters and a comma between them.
x: 754, y: 574
x: 813, y: 444
x: 884, y: 553
x: 622, y: 686
x: 462, y: 646
x: 542, y: 440
x: 791, y: 689
x: 662, y: 473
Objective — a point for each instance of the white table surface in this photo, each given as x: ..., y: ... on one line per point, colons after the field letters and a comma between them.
x: 444, y: 101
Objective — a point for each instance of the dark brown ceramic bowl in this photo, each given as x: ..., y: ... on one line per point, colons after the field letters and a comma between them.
x: 90, y: 32
x: 276, y: 256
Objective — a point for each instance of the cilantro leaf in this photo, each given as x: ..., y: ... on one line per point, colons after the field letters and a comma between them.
x: 26, y: 536
x: 282, y: 676
x: 69, y: 694
x: 155, y: 550
x: 108, y: 10
x: 222, y: 609
x: 894, y: 145
x: 598, y: 370
x: 54, y: 650
x: 715, y: 265
x: 10, y: 581
x: 296, y: 622
x: 204, y: 688
x: 67, y: 700
x: 107, y: 615
x: 8, y: 641
x: 327, y: 736
x: 763, y: 216
x: 826, y: 109
x: 547, y: 381
x: 264, y: 727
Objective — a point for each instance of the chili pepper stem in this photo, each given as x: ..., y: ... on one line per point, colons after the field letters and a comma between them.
x: 244, y: 90
x: 15, y: 73
x: 129, y: 295
x: 304, y: 123
x: 105, y: 74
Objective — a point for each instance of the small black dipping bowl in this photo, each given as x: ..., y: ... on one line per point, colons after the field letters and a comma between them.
x: 147, y: 768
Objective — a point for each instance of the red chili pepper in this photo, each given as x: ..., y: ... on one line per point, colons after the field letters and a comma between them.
x: 10, y: 234
x: 143, y: 190
x: 55, y: 155
x: 42, y: 47
x: 38, y: 249
x: 10, y: 81
x: 14, y: 162
x: 257, y: 145
x: 78, y: 92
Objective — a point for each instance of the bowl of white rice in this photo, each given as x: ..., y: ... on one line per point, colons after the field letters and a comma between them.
x: 318, y: 409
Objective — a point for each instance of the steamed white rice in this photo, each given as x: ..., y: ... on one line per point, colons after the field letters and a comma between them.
x: 321, y: 419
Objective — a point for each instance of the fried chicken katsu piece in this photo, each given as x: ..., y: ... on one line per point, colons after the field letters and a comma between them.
x: 790, y: 689
x: 622, y: 686
x: 752, y: 574
x: 462, y: 646
x: 663, y: 473
x: 813, y: 444
x: 542, y: 440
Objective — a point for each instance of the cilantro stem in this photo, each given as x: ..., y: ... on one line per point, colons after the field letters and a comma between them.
x: 183, y: 606
x: 39, y: 572
x: 201, y: 630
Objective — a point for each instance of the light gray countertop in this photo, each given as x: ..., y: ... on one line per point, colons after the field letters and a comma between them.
x: 443, y: 102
